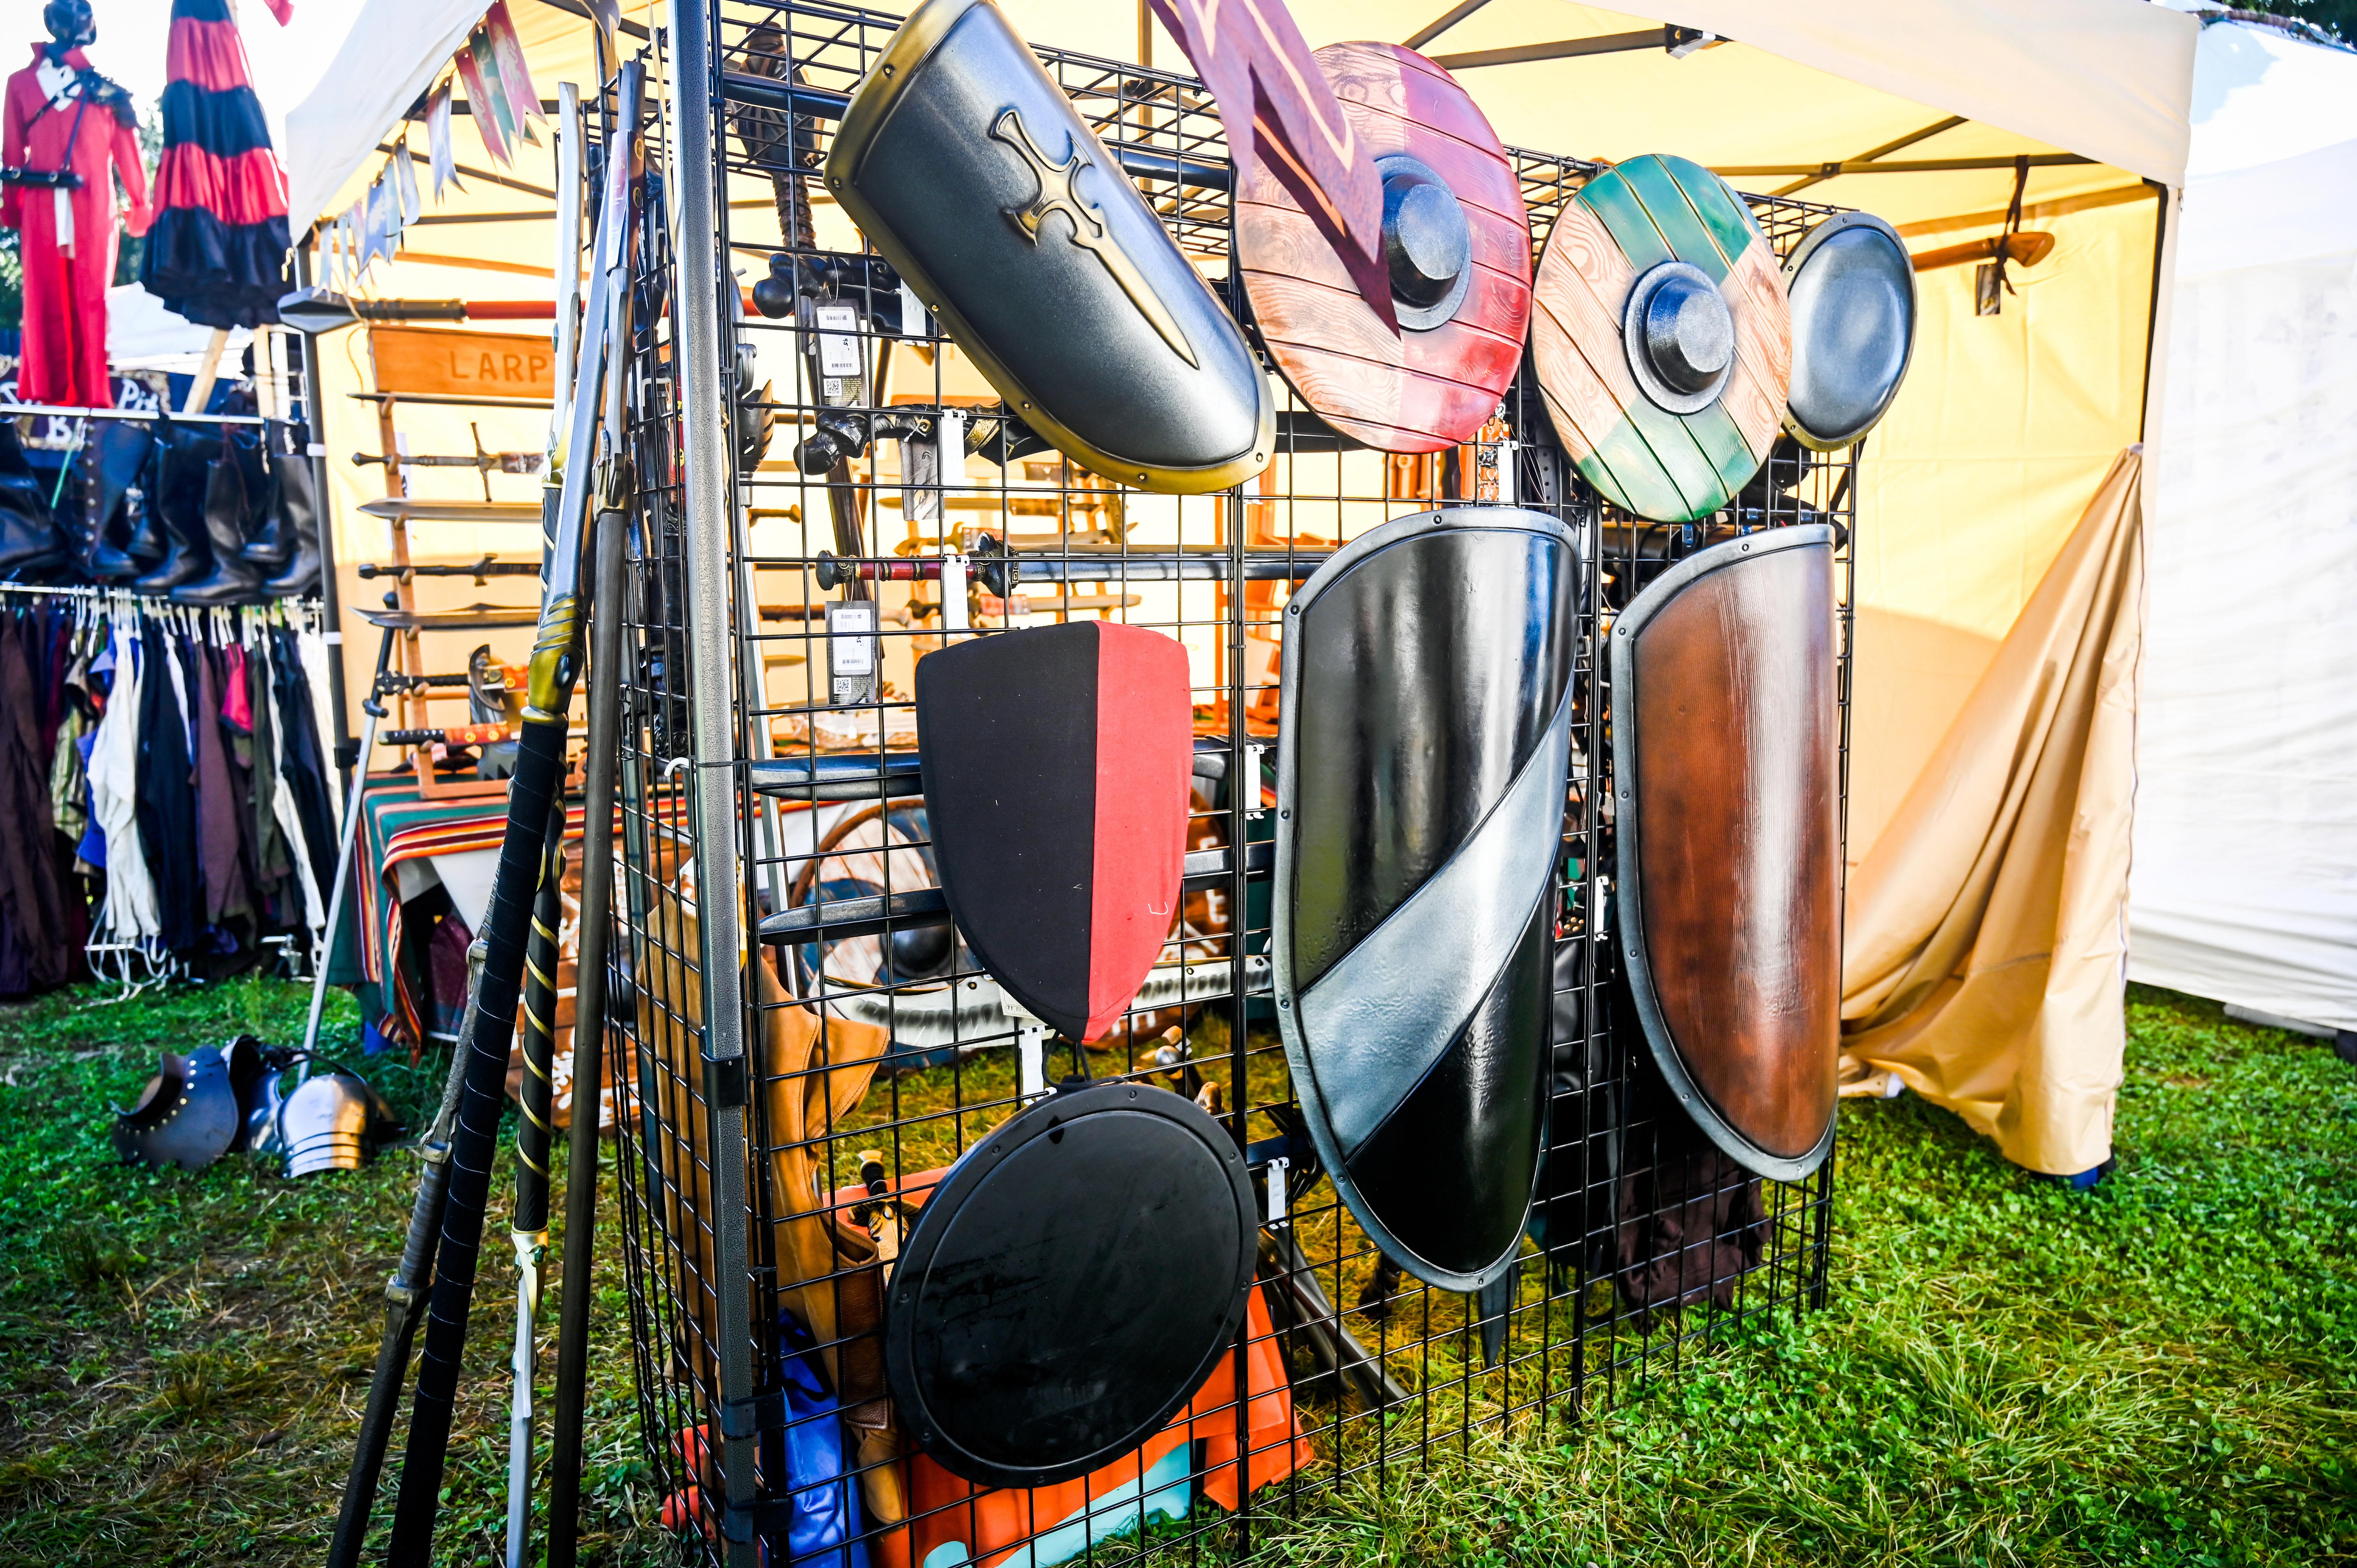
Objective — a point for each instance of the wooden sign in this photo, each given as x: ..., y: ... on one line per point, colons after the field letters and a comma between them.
x: 1640, y: 456
x: 428, y: 361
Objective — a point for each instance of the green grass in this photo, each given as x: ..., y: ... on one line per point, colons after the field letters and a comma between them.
x: 183, y: 1357
x: 2161, y: 1371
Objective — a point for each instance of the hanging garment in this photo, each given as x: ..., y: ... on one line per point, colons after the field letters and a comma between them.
x: 217, y: 251
x: 68, y: 785
x: 167, y: 791
x: 219, y: 841
x: 256, y: 751
x: 66, y: 775
x: 35, y: 951
x: 283, y: 810
x: 60, y: 116
x: 131, y: 912
x: 303, y: 764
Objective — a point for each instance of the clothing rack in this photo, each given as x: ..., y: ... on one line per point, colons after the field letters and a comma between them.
x: 54, y: 410
x: 251, y: 831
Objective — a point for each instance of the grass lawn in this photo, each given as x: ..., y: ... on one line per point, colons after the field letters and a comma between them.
x: 2161, y: 1371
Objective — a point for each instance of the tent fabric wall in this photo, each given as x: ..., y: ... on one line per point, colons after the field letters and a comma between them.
x: 2246, y: 883
x: 1976, y: 478
x: 1968, y: 489
x: 1985, y: 937
x: 393, y: 54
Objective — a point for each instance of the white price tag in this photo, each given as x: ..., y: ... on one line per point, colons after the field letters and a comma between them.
x: 838, y: 339
x: 953, y: 617
x: 851, y: 637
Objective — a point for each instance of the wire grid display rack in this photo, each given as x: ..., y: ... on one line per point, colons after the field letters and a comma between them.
x: 804, y: 1043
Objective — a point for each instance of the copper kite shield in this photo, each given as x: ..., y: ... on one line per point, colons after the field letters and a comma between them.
x: 1423, y: 757
x: 1727, y: 780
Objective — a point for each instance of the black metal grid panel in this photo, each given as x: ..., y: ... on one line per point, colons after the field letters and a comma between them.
x: 1606, y: 1288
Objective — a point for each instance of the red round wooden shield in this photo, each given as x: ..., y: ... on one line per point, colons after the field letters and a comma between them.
x: 1422, y: 389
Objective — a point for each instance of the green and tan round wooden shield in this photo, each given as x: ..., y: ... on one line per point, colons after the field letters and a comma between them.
x: 1639, y: 454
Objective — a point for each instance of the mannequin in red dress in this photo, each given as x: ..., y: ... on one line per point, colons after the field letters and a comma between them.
x: 58, y: 114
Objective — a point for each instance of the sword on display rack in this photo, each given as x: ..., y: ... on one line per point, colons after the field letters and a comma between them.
x: 532, y: 794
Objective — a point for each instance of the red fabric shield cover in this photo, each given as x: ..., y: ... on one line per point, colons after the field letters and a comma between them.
x: 1056, y: 763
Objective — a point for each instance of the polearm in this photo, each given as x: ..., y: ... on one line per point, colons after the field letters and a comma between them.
x: 588, y: 1043
x: 528, y: 1225
x: 405, y: 1299
x: 404, y: 1292
x: 531, y: 792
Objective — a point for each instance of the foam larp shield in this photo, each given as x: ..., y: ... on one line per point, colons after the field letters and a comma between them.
x: 968, y: 168
x: 1727, y: 779
x: 1071, y: 1280
x: 1662, y: 338
x: 1457, y: 245
x: 1852, y: 288
x: 1057, y: 764
x: 1423, y: 759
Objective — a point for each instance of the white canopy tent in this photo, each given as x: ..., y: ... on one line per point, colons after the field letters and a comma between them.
x: 2244, y: 886
x: 1923, y: 112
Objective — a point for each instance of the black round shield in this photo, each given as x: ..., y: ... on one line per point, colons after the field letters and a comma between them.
x: 1852, y: 288
x: 1070, y: 1283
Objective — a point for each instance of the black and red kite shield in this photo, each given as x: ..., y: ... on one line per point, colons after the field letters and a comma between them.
x: 1423, y: 762
x: 1726, y: 774
x: 1057, y: 765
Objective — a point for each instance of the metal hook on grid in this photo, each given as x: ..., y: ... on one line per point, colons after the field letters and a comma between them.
x: 675, y: 767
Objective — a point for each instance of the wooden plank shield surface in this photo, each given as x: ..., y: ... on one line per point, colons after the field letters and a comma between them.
x: 1412, y: 390
x: 1058, y: 764
x: 1669, y: 468
x: 429, y: 361
x: 1725, y: 768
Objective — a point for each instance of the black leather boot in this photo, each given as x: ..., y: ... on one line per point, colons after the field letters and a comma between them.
x: 299, y: 514
x: 179, y: 506
x: 271, y: 547
x: 107, y: 464
x: 251, y: 445
x: 231, y: 581
x: 144, y: 540
x: 29, y: 546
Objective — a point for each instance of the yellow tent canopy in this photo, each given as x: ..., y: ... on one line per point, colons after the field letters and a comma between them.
x: 1914, y: 109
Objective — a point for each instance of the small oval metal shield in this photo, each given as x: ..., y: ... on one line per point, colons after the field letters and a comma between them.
x: 1852, y: 288
x: 1726, y: 777
x: 1423, y: 762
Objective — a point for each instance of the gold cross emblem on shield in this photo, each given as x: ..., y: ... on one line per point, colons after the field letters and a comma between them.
x: 1089, y: 230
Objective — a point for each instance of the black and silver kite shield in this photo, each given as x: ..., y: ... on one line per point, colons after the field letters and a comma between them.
x: 1422, y: 769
